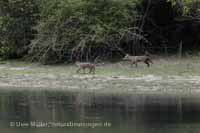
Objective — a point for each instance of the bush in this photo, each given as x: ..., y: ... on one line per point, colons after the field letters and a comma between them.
x: 83, y: 29
x: 17, y: 18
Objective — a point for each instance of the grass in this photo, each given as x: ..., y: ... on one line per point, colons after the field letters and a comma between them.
x: 161, y: 67
x: 64, y: 77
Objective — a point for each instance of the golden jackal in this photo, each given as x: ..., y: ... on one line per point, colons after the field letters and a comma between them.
x: 85, y: 65
x: 135, y: 59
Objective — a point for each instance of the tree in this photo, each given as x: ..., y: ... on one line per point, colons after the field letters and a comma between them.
x: 17, y: 19
x: 84, y: 29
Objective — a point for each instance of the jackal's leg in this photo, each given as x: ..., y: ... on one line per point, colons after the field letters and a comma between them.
x: 94, y: 70
x: 136, y: 64
x: 146, y: 62
x: 83, y: 70
x: 132, y: 63
x: 78, y: 70
x: 149, y: 60
x: 90, y: 70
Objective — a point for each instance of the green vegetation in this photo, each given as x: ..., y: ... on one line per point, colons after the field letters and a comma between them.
x: 54, y: 31
x: 17, y: 19
x: 170, y: 76
x: 83, y: 29
x: 187, y: 7
x: 161, y: 67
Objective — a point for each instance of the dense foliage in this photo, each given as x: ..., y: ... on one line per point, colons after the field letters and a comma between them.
x: 17, y: 18
x: 173, y: 22
x: 84, y: 29
x: 53, y: 31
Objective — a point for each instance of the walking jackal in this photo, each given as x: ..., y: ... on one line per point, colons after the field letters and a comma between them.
x: 85, y: 65
x: 135, y: 59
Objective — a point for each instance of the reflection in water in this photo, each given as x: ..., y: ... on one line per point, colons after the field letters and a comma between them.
x: 144, y: 113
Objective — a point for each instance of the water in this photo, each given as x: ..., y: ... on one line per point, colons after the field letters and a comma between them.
x: 90, y: 112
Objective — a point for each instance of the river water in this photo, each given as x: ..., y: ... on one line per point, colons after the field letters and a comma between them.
x: 45, y: 111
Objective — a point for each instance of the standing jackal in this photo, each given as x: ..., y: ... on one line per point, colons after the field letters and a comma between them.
x: 135, y: 59
x: 85, y: 65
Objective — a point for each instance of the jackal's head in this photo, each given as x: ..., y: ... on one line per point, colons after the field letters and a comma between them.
x: 126, y: 57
